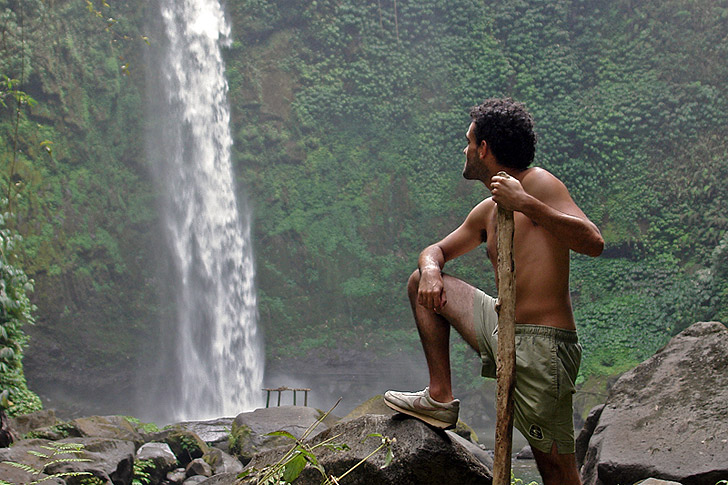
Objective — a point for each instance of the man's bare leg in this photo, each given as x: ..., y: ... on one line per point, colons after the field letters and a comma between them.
x: 556, y: 469
x: 434, y: 330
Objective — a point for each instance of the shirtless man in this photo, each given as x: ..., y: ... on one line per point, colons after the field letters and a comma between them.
x: 547, y: 225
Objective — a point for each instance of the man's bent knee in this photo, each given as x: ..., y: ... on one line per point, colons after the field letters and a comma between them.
x: 413, y: 284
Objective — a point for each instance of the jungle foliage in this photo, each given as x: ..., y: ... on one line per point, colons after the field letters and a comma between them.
x: 74, y: 171
x: 15, y: 312
x: 349, y: 120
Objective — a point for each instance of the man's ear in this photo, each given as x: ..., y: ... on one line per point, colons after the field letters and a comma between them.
x: 483, y: 149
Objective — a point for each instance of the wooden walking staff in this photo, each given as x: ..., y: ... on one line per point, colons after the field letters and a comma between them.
x: 506, y: 358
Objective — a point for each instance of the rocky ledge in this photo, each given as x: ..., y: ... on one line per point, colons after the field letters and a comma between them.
x: 666, y: 418
x: 117, y: 449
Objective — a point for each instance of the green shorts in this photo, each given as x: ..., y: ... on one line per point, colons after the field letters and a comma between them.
x: 547, y: 361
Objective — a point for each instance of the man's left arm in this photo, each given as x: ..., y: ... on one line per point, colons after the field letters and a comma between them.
x: 546, y: 201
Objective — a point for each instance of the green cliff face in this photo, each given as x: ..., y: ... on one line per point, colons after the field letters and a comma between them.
x: 78, y: 189
x: 349, y: 121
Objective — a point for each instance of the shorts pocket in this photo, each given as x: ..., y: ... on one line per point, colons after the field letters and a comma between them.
x: 488, y: 368
x: 568, y: 360
x: 536, y: 372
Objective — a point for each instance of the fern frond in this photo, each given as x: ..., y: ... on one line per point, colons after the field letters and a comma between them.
x: 72, y: 447
x: 38, y: 454
x: 24, y: 467
x: 59, y: 475
x: 64, y: 460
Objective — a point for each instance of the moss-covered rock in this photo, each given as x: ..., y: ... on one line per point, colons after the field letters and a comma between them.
x: 25, y: 423
x: 462, y: 429
x: 113, y: 427
x: 185, y: 444
x: 222, y: 462
x: 250, y: 431
x: 374, y: 405
x: 54, y: 432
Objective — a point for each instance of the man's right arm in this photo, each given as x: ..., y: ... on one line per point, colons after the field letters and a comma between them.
x: 431, y: 291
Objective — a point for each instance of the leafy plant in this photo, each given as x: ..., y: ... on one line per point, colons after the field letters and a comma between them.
x: 142, y: 474
x: 144, y: 427
x: 15, y: 312
x: 91, y: 480
x: 288, y: 468
x: 189, y: 445
x: 54, y: 456
x: 518, y: 481
x: 63, y: 430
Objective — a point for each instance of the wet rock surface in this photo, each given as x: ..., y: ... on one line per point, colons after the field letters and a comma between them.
x: 249, y: 430
x: 214, y: 432
x: 665, y: 419
x: 422, y: 455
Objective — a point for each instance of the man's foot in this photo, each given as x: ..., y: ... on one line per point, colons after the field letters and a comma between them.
x: 421, y: 406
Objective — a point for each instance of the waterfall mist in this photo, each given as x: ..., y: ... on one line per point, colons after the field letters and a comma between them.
x: 212, y: 362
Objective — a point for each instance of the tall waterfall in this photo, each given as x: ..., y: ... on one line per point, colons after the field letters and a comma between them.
x: 216, y: 363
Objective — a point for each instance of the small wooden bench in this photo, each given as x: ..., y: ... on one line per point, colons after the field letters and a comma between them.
x: 280, y: 390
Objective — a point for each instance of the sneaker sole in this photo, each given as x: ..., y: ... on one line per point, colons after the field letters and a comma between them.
x: 427, y: 419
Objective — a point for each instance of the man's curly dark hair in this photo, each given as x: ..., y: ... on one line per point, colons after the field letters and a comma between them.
x: 507, y: 128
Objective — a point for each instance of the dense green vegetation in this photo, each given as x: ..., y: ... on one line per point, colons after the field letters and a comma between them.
x: 15, y: 312
x: 74, y: 170
x: 359, y: 168
x: 349, y: 121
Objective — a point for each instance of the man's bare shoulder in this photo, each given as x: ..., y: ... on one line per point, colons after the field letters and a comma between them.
x: 541, y: 183
x: 483, y: 209
x: 538, y: 176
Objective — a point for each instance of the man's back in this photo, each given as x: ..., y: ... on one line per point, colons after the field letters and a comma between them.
x: 541, y: 261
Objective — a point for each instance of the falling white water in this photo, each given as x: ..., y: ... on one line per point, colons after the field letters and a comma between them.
x: 219, y: 362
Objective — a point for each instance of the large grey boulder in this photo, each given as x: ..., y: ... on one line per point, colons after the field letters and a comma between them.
x: 373, y: 405
x: 582, y: 441
x: 666, y: 418
x: 160, y: 453
x: 222, y: 462
x: 108, y: 459
x: 422, y: 455
x: 177, y: 475
x: 161, y: 458
x: 655, y: 481
x: 214, y: 432
x: 26, y: 423
x: 195, y: 480
x: 249, y: 429
x: 19, y: 453
x: 198, y: 466
x: 111, y: 427
x: 185, y: 444
x: 475, y: 450
x: 222, y: 479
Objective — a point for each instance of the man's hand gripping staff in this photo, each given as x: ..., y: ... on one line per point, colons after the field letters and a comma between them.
x: 431, y: 292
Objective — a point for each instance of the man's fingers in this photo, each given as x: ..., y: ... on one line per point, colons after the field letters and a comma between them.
x: 426, y: 300
x: 440, y: 302
x: 431, y: 301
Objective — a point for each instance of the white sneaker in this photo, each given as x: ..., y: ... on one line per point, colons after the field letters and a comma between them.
x: 421, y: 406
